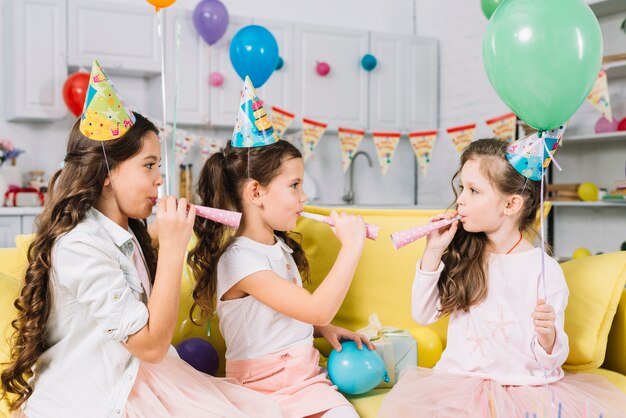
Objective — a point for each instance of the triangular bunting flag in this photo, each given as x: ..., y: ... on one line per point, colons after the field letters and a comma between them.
x: 281, y: 119
x: 312, y: 131
x: 599, y: 96
x: 462, y: 136
x: 504, y: 126
x: 350, y: 140
x: 422, y: 143
x: 386, y: 143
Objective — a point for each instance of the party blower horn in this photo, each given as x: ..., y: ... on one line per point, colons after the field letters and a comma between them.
x: 371, y: 231
x: 407, y: 236
x: 225, y: 217
x: 232, y: 219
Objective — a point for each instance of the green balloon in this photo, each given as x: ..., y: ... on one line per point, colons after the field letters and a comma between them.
x: 542, y: 57
x: 489, y: 6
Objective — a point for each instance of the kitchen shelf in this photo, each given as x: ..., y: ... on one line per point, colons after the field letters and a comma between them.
x: 602, y: 204
x: 611, y: 137
x: 606, y: 7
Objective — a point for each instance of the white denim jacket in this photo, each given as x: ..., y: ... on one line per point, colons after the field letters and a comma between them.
x: 97, y: 302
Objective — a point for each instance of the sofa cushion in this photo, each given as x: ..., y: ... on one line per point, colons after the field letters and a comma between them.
x: 9, y: 291
x: 382, y: 281
x: 595, y: 285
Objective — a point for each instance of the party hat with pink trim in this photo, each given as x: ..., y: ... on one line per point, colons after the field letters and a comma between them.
x: 253, y: 127
x: 531, y: 155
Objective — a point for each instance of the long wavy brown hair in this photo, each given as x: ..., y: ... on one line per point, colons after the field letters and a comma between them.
x: 72, y: 191
x: 220, y: 185
x: 463, y: 282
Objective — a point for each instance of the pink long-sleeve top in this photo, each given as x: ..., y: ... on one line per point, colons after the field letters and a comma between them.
x: 496, y: 339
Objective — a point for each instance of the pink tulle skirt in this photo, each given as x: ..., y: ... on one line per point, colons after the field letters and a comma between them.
x: 172, y: 388
x: 434, y: 394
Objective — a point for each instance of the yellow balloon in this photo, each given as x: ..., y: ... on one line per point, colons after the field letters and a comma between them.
x: 161, y: 4
x: 429, y: 346
x: 588, y: 192
x: 581, y: 252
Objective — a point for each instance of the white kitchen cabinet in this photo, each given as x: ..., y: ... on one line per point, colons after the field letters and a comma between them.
x: 225, y: 98
x: 387, y: 86
x: 341, y: 97
x: 193, y: 70
x: 122, y: 36
x: 279, y: 89
x: 10, y: 226
x: 35, y: 59
x: 421, y: 97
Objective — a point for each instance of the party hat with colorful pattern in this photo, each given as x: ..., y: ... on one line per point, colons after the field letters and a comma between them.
x: 253, y: 127
x: 531, y: 155
x: 104, y: 115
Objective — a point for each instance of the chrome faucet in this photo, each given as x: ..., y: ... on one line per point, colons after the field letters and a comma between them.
x: 349, y: 196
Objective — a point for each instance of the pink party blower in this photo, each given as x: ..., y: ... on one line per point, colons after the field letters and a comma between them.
x: 225, y: 217
x: 402, y: 238
x: 371, y: 231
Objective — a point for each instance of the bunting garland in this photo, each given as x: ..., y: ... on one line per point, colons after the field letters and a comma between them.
x: 350, y: 140
x: 422, y: 144
x: 386, y: 144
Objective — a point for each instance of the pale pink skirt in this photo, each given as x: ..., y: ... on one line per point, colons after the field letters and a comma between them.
x: 172, y: 388
x: 428, y: 393
x: 292, y: 377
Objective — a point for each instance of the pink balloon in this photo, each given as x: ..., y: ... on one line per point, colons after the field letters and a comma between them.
x: 322, y: 68
x: 216, y: 79
x: 603, y: 125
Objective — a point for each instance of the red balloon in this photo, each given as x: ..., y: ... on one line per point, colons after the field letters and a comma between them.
x: 74, y: 92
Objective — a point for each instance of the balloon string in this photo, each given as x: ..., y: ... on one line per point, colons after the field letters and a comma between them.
x: 176, y: 77
x: 160, y: 25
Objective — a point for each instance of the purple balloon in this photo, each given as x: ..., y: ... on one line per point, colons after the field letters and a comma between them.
x: 200, y: 354
x: 210, y: 18
x: 604, y: 126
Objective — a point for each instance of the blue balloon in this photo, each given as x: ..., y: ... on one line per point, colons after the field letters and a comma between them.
x: 355, y: 371
x: 254, y: 53
x: 368, y: 62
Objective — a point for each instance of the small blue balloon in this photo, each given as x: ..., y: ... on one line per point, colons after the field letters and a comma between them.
x: 368, y: 62
x: 254, y: 53
x: 280, y: 63
x: 355, y: 371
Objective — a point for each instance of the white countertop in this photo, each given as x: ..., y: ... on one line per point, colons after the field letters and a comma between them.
x: 25, y: 210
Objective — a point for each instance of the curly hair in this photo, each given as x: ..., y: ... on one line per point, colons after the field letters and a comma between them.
x: 72, y: 191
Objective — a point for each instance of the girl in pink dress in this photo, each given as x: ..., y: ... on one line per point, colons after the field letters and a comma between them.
x: 266, y: 317
x: 97, y: 312
x: 506, y: 342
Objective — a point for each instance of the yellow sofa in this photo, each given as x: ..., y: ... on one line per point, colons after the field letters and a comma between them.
x: 382, y: 285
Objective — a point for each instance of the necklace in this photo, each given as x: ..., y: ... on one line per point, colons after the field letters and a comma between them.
x: 516, y: 244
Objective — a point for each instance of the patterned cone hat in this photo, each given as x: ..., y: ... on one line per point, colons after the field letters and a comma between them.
x: 253, y: 127
x: 530, y: 156
x: 104, y: 115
